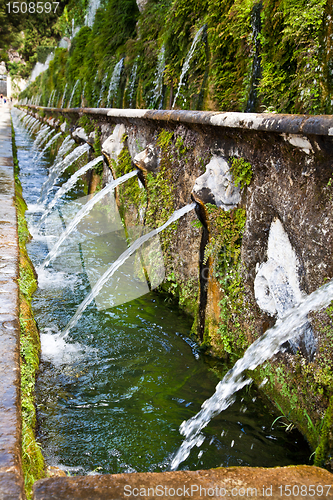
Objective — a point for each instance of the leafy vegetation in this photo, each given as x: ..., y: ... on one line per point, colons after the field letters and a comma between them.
x: 289, y: 40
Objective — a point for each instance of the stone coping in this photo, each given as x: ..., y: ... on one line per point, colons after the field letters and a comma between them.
x: 268, y: 122
x: 11, y: 477
x: 231, y: 482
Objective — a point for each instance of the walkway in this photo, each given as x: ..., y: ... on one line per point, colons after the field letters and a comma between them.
x: 11, y: 480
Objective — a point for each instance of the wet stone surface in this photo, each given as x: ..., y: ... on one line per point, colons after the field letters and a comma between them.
x: 232, y: 482
x: 11, y: 481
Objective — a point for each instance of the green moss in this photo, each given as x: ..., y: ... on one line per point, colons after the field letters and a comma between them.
x: 131, y: 196
x: 223, y: 254
x: 32, y: 459
x: 241, y: 171
x: 324, y: 450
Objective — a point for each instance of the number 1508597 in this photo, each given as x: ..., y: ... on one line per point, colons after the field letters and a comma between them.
x: 32, y: 7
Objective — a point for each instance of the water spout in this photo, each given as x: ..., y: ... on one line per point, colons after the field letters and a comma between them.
x: 40, y: 136
x: 261, y: 350
x: 121, y: 259
x: 59, y: 168
x: 49, y: 143
x: 83, y: 212
x: 69, y: 184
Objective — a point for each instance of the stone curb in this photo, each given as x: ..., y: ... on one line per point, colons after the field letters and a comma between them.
x: 11, y: 477
x: 231, y: 482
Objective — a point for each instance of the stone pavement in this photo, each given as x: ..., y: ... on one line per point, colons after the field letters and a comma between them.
x: 11, y: 479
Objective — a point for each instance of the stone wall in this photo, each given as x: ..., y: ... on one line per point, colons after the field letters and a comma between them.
x: 260, y: 238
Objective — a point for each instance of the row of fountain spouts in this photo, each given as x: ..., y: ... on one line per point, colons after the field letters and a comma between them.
x: 260, y: 351
x: 156, y: 100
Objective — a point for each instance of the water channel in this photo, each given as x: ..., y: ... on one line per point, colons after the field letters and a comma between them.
x: 112, y: 394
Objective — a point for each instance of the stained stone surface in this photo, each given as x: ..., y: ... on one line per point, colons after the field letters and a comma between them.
x: 11, y: 480
x: 231, y: 482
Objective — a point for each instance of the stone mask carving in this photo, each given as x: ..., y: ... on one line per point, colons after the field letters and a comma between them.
x: 113, y: 145
x: 216, y: 185
x: 147, y: 159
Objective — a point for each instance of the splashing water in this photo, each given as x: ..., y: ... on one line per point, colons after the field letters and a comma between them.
x: 83, y: 212
x: 73, y: 92
x: 121, y: 259
x: 69, y: 184
x: 45, y: 138
x: 48, y: 144
x: 114, y: 82
x: 186, y: 65
x: 261, y: 350
x: 65, y: 147
x: 39, y: 137
x: 157, y: 98
x: 34, y: 127
x: 59, y: 168
x: 31, y: 123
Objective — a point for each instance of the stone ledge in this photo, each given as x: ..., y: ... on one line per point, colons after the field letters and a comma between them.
x: 267, y: 122
x: 11, y: 477
x: 233, y: 482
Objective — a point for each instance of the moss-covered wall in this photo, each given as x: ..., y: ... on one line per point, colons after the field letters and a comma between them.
x: 252, y: 55
x: 32, y: 459
x: 211, y: 264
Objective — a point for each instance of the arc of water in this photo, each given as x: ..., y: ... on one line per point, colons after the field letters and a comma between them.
x: 32, y: 124
x: 186, y: 65
x: 60, y: 168
x: 260, y: 351
x: 48, y: 144
x: 121, y: 259
x: 73, y: 92
x: 65, y: 147
x: 45, y: 138
x: 29, y: 121
x: 68, y: 185
x: 84, y: 211
x: 43, y: 131
x: 33, y: 128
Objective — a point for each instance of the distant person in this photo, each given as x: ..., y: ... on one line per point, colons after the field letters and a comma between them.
x: 1, y: 99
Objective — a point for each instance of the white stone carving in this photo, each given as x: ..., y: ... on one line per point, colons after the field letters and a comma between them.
x: 113, y: 145
x: 276, y: 285
x: 216, y: 185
